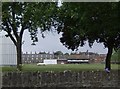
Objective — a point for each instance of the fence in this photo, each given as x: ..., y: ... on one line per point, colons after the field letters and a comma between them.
x: 61, y: 79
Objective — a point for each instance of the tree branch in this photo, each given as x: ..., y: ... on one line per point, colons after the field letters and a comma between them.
x: 12, y: 38
x: 22, y: 31
x: 13, y: 25
x: 10, y: 35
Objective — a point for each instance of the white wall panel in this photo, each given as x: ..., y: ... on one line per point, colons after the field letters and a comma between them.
x: 7, y: 51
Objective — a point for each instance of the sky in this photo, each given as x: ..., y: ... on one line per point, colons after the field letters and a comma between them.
x: 51, y: 43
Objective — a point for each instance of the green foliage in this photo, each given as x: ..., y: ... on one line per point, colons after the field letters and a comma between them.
x: 58, y: 53
x: 26, y: 15
x: 81, y: 22
x: 89, y: 21
x: 20, y: 16
x: 67, y: 54
x: 119, y: 54
x: 116, y: 56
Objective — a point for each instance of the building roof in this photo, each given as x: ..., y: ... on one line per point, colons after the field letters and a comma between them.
x: 78, y: 57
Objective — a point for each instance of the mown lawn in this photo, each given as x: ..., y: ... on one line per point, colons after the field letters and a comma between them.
x: 61, y: 67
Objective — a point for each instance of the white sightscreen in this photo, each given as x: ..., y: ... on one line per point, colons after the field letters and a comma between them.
x: 7, y: 51
x: 50, y: 61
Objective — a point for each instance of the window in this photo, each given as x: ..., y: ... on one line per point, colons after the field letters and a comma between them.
x: 37, y: 56
x: 32, y: 55
x: 41, y: 55
x: 23, y: 58
x: 23, y: 55
x: 27, y: 58
x: 32, y: 58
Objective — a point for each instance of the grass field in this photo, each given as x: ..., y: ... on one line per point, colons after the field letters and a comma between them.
x: 60, y: 67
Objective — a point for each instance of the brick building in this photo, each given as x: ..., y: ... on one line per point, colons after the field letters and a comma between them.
x: 39, y: 57
x: 35, y: 57
x: 62, y: 59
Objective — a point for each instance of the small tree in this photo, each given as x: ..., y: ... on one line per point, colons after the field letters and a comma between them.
x: 115, y: 57
x: 20, y: 16
x: 58, y: 53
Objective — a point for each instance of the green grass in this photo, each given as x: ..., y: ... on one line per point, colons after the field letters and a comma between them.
x: 60, y: 67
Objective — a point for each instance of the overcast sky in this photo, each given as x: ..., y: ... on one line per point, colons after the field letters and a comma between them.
x: 51, y: 43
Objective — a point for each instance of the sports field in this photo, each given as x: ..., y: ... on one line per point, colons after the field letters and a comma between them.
x: 61, y: 67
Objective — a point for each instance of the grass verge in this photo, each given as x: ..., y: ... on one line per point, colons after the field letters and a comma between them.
x: 60, y: 67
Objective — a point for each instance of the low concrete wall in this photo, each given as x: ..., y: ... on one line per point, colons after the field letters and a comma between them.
x: 61, y: 79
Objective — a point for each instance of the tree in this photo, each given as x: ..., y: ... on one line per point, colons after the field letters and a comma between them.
x: 20, y: 16
x: 119, y: 54
x: 90, y: 22
x: 58, y: 53
x: 67, y: 54
x: 115, y: 56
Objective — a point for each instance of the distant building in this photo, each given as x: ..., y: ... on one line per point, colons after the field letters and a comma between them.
x: 78, y: 59
x: 35, y: 57
x: 81, y: 57
x: 62, y: 61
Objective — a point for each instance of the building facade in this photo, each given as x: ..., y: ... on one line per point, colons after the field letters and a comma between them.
x: 83, y: 57
x: 35, y: 57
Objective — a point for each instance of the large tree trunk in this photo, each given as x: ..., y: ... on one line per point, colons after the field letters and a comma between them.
x: 108, y: 61
x: 19, y: 55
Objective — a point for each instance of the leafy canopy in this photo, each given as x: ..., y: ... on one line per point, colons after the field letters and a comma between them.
x: 89, y: 21
x: 19, y: 16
